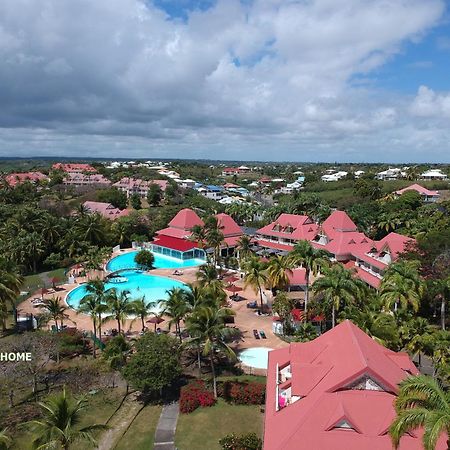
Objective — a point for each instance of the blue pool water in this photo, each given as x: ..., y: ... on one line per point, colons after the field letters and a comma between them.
x: 256, y: 357
x: 138, y: 284
x: 126, y: 261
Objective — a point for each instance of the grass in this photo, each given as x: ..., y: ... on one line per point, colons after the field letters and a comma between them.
x: 202, y: 429
x: 141, y: 433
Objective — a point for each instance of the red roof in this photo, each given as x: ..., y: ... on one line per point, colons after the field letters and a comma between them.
x: 420, y: 189
x: 345, y: 384
x: 228, y: 226
x: 181, y: 245
x: 297, y: 277
x: 396, y: 243
x: 106, y: 210
x: 290, y: 226
x: 74, y: 167
x: 370, y: 279
x: 338, y: 221
x: 185, y: 220
x: 17, y: 178
x: 275, y: 245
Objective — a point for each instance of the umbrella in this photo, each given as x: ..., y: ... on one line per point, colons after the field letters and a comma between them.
x: 156, y: 320
x: 233, y: 289
x: 231, y: 279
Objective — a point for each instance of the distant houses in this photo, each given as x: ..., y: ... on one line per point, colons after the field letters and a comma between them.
x: 230, y: 171
x: 390, y: 174
x: 74, y: 168
x: 106, y: 210
x: 434, y: 174
x: 334, y: 176
x: 427, y: 195
x: 137, y: 186
x: 14, y: 179
x: 78, y: 179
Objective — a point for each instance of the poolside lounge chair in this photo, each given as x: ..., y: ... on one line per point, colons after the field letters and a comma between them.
x: 256, y: 334
x: 262, y: 334
x: 177, y: 272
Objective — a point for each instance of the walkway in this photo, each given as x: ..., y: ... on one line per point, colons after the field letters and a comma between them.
x: 165, y: 431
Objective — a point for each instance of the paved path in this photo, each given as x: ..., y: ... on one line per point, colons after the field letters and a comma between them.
x: 165, y: 431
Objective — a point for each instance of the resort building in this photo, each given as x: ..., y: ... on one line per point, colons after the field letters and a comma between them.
x: 137, y: 186
x: 175, y: 240
x: 427, y: 195
x: 434, y: 174
x: 13, y: 179
x: 232, y: 233
x: 335, y: 392
x: 106, y: 210
x: 83, y: 179
x: 74, y: 168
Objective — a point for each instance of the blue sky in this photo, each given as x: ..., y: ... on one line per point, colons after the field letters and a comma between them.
x: 300, y: 80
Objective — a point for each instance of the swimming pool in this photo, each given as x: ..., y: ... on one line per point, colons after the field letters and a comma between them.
x: 126, y: 261
x: 139, y: 284
x: 256, y: 357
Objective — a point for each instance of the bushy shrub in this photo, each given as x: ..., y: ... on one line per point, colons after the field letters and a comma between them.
x: 249, y: 441
x: 195, y: 395
x: 242, y: 393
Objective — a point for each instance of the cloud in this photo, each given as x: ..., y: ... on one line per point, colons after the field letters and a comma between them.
x: 428, y: 103
x: 241, y: 79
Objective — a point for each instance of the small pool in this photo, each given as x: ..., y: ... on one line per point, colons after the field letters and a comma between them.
x: 126, y: 261
x: 256, y: 357
x: 139, y: 284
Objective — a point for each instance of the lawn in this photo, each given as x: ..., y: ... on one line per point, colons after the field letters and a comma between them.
x: 202, y: 429
x: 141, y: 433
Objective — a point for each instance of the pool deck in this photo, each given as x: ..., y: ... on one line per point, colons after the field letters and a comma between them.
x: 245, y: 319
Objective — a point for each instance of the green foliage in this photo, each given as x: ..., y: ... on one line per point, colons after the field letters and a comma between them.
x: 367, y: 189
x: 135, y: 201
x: 145, y: 259
x: 155, y: 194
x: 249, y: 441
x: 117, y: 198
x: 115, y: 351
x: 155, y: 363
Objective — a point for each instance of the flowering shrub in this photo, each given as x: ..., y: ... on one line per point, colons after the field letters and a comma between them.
x: 194, y: 395
x: 242, y: 393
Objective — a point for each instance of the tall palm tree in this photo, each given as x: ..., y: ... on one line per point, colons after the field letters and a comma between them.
x: 243, y: 246
x: 175, y: 307
x: 91, y: 306
x: 142, y: 309
x: 440, y: 290
x: 278, y: 271
x: 255, y: 275
x: 419, y: 336
x: 5, y: 440
x: 61, y: 414
x: 118, y: 306
x: 198, y: 234
x: 422, y: 402
x: 338, y: 287
x: 283, y: 305
x: 402, y: 285
x: 208, y: 330
x: 208, y: 278
x: 312, y: 260
x: 96, y: 288
x: 10, y: 283
x: 91, y: 228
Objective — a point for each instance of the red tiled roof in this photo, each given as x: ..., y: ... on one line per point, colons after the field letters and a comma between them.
x: 74, y: 167
x: 420, y: 189
x: 396, y: 242
x: 275, y: 245
x: 174, y: 232
x: 17, y: 178
x: 105, y: 209
x: 181, y: 245
x: 322, y: 373
x: 367, y: 277
x: 185, y: 220
x: 297, y: 277
x: 303, y: 227
x: 338, y: 221
x: 228, y: 226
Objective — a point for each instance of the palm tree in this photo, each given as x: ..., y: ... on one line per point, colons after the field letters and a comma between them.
x: 402, y: 284
x: 311, y: 259
x: 10, y: 283
x: 176, y: 307
x: 305, y: 332
x: 91, y: 306
x: 198, y: 234
x: 207, y: 329
x: 5, y: 440
x: 96, y: 288
x: 422, y: 402
x: 243, y: 246
x: 338, y: 286
x: 440, y: 290
x: 119, y: 306
x: 91, y: 228
x: 283, y: 305
x: 419, y: 336
x: 61, y: 414
x: 56, y: 310
x: 255, y: 275
x: 208, y: 278
x: 142, y: 309
x: 278, y: 271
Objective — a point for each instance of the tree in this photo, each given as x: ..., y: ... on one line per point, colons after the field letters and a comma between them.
x: 91, y: 305
x: 58, y: 427
x: 145, y: 259
x: 338, y: 287
x: 117, y: 198
x: 56, y: 310
x: 142, y: 309
x: 91, y: 228
x: 135, y: 201
x: 440, y: 290
x: 368, y: 189
x: 419, y: 334
x: 208, y: 278
x: 244, y: 247
x: 155, y: 363
x: 118, y: 306
x: 208, y: 330
x: 175, y: 307
x: 283, y: 305
x: 96, y: 288
x: 421, y: 402
x: 402, y: 284
x: 255, y: 275
x: 278, y: 271
x: 311, y: 259
x: 305, y: 332
x: 154, y: 194
x: 116, y: 350
x: 10, y: 283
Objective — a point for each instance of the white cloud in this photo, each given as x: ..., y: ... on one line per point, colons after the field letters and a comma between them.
x: 239, y: 79
x: 428, y: 103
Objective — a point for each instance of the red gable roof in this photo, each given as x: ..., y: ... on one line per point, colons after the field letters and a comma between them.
x: 338, y: 221
x: 185, y: 220
x: 420, y: 189
x: 291, y: 226
x: 174, y: 243
x: 345, y: 383
x: 106, y: 210
x: 17, y: 178
x: 396, y: 243
x: 74, y: 167
x: 228, y: 226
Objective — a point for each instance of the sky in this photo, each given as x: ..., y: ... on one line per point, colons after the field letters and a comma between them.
x: 275, y: 80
